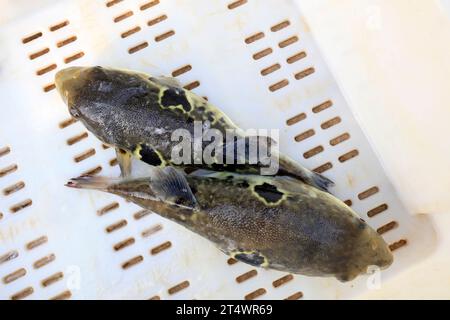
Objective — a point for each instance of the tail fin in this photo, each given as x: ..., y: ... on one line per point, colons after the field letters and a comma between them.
x: 91, y: 182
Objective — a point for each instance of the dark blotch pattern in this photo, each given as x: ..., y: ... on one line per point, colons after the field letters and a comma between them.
x: 268, y: 192
x: 175, y: 97
x: 149, y: 155
x: 254, y: 258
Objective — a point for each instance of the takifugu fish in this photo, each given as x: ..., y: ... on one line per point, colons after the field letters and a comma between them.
x: 137, y: 113
x: 271, y: 222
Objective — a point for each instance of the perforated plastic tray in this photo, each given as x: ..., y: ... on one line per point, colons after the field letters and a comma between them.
x: 254, y: 59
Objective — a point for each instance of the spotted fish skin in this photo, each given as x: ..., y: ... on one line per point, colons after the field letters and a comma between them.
x: 137, y: 113
x: 271, y: 222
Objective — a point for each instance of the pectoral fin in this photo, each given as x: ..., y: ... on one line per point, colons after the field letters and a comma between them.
x: 124, y: 160
x: 290, y: 167
x: 171, y: 186
x: 167, y: 81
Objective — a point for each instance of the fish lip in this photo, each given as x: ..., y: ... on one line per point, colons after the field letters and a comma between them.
x: 62, y: 78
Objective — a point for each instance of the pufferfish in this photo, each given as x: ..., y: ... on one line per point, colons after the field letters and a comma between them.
x: 136, y: 113
x: 275, y: 222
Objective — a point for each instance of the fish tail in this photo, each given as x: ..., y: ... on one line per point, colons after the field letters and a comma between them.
x: 91, y: 182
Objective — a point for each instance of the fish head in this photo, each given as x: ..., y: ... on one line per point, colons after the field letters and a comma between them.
x: 371, y: 253
x: 104, y: 99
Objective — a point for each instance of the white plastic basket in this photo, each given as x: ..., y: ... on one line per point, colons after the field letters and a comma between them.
x: 254, y: 59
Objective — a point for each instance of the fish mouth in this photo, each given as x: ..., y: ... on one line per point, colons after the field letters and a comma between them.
x: 67, y: 82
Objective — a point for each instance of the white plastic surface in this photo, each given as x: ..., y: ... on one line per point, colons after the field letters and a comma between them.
x: 210, y: 37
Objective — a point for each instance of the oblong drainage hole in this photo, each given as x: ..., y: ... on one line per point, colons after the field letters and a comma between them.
x: 155, y: 298
x: 108, y: 208
x: 116, y: 226
x: 36, y: 243
x: 59, y: 26
x: 62, y: 296
x: 66, y: 123
x: 348, y: 202
x: 4, y: 151
x: 112, y: 2
x: 325, y: 167
x: 14, y: 276
x: 39, y: 53
x: 313, y: 152
x: 288, y: 42
x: 164, y: 246
x: 377, y: 210
x: 77, y: 138
x: 93, y: 171
x: 21, y: 205
x: 262, y: 53
x: 248, y: 275
x: 181, y: 286
x: 192, y: 85
x: 397, y: 245
x: 305, y: 73
x: 138, y: 47
x: 9, y: 256
x: 180, y: 71
x: 349, y: 155
x: 283, y: 280
x: 339, y: 139
x: 52, y: 279
x: 49, y: 87
x: 296, y: 57
x: 235, y: 4
x: 255, y: 294
x: 279, y: 85
x: 295, y: 296
x: 280, y: 26
x: 148, y: 5
x: 23, y: 293
x: 7, y: 170
x: 74, y: 57
x: 323, y: 106
x: 254, y: 37
x: 13, y: 188
x: 157, y: 20
x: 132, y: 262
x: 85, y: 155
x: 231, y: 261
x: 164, y: 36
x: 32, y: 37
x: 330, y: 123
x: 123, y: 16
x: 152, y: 230
x: 65, y: 42
x: 296, y: 119
x: 113, y: 162
x: 130, y: 32
x: 387, y: 227
x: 123, y: 244
x: 368, y: 193
x: 141, y: 214
x: 44, y: 70
x: 269, y: 70
x: 44, y: 261
x: 305, y: 135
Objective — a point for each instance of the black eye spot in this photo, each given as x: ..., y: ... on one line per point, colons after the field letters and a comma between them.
x: 268, y: 192
x: 175, y: 97
x: 149, y: 155
x: 253, y: 258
